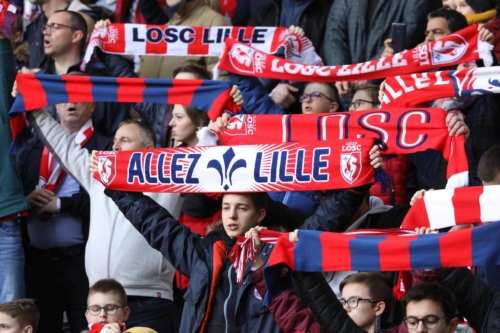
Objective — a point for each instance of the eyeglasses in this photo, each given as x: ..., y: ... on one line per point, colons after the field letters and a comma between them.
x: 56, y: 26
x: 429, y: 322
x: 357, y: 103
x: 353, y: 302
x: 314, y: 96
x: 109, y: 309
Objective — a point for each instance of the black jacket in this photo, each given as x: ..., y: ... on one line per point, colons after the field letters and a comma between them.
x: 202, y: 259
x: 28, y: 164
x: 313, y: 20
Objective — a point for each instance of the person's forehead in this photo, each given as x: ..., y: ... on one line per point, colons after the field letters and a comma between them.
x: 355, y: 289
x: 424, y: 308
x: 128, y: 130
x: 102, y: 299
x: 61, y: 17
x: 361, y: 94
x: 6, y: 319
x: 437, y: 23
x: 235, y: 198
x: 311, y: 87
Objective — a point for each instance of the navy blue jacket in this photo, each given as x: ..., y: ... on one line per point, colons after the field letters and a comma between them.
x: 200, y: 259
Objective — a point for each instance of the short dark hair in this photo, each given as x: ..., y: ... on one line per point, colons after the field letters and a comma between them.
x: 77, y: 22
x: 455, y: 20
x: 198, y: 72
x: 379, y: 286
x: 435, y: 292
x: 146, y: 135
x: 24, y: 311
x: 110, y: 286
x: 489, y: 164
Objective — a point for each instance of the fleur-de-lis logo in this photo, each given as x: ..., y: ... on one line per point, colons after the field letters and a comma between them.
x: 228, y: 157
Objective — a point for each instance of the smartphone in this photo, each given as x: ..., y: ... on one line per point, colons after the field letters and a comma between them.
x: 398, y: 36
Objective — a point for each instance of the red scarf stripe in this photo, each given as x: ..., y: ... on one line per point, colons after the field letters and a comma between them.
x: 446, y: 208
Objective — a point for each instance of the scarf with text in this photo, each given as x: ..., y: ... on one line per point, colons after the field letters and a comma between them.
x: 146, y: 39
x: 405, y: 131
x: 8, y: 16
x: 411, y: 90
x: 460, y: 47
x: 41, y: 90
x: 447, y: 208
x: 51, y: 173
x: 257, y: 168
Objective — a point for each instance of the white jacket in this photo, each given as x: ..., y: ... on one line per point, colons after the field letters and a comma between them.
x: 115, y: 249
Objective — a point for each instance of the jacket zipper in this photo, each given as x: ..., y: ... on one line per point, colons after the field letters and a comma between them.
x: 228, y: 297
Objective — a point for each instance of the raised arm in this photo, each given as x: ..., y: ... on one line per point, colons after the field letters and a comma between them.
x: 160, y: 229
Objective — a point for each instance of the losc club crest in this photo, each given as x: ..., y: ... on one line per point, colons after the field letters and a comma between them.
x: 106, y: 168
x: 236, y: 126
x: 350, y: 166
x: 444, y: 52
x: 241, y: 57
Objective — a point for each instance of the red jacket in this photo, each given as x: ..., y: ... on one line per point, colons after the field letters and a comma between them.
x: 398, y: 168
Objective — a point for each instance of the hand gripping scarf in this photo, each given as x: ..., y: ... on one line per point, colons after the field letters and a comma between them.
x: 460, y: 47
x: 40, y: 90
x: 142, y: 39
x: 327, y: 251
x: 411, y: 90
x: 405, y: 131
x: 258, y: 168
x: 447, y: 208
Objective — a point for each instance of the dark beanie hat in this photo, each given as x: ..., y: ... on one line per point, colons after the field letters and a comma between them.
x: 481, y: 6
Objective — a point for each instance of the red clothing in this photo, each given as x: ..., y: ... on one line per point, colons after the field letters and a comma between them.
x: 398, y: 168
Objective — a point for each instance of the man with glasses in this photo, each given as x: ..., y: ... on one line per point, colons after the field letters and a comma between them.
x: 64, y: 39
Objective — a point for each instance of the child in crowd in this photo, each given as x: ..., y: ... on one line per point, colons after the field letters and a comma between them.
x: 107, y: 309
x: 20, y: 316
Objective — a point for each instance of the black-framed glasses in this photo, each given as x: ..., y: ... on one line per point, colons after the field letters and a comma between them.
x: 357, y: 103
x: 109, y: 309
x: 353, y: 302
x: 56, y: 26
x: 313, y: 96
x: 429, y: 322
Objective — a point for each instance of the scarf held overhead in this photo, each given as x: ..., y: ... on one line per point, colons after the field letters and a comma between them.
x: 460, y: 47
x: 142, y: 39
x: 258, y: 168
x: 318, y: 251
x: 447, y: 208
x: 41, y: 90
x: 405, y: 131
x: 414, y: 89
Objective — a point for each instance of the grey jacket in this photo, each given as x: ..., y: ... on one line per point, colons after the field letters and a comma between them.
x: 115, y: 249
x: 349, y: 39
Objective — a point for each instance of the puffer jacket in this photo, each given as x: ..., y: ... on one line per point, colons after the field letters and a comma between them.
x: 201, y: 259
x: 398, y: 168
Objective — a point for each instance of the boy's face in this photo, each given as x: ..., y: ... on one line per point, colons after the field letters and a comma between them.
x: 322, y: 104
x: 116, y: 316
x: 239, y: 214
x: 427, y: 308
x: 10, y: 325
